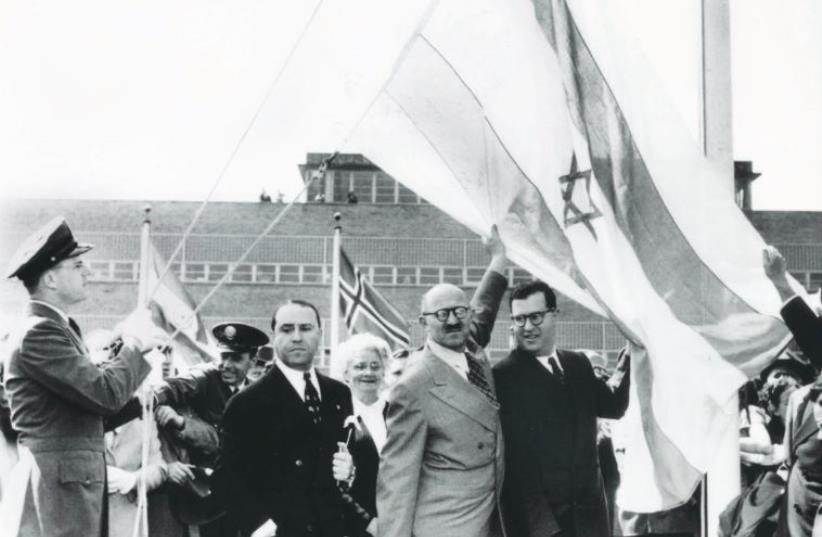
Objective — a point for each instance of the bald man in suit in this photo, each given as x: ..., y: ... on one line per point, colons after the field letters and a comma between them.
x: 441, y: 468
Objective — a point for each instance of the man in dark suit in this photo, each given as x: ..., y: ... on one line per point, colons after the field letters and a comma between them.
x: 58, y: 397
x: 280, y: 436
x: 802, y: 443
x: 550, y: 401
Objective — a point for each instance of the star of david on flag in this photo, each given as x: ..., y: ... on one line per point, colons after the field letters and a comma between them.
x: 579, y: 208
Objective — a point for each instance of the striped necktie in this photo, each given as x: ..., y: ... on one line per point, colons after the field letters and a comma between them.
x: 476, y: 376
x: 312, y: 399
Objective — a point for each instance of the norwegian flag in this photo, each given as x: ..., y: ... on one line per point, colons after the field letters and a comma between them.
x: 366, y: 310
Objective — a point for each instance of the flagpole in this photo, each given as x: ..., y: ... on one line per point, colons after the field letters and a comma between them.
x: 722, y: 480
x: 142, y: 289
x: 335, y: 283
x: 141, y: 518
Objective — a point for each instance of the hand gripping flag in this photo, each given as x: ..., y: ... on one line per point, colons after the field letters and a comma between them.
x: 540, y: 117
x: 366, y: 310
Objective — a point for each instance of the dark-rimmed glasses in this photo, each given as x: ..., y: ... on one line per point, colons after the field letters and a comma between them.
x: 535, y: 317
x: 442, y: 315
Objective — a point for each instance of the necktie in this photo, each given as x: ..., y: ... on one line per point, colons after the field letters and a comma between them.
x: 555, y: 370
x: 476, y: 376
x: 312, y: 399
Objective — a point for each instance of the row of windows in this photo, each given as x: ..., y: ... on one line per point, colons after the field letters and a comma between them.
x: 369, y: 186
x: 295, y: 274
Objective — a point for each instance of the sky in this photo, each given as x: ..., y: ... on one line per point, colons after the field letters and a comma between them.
x: 159, y: 100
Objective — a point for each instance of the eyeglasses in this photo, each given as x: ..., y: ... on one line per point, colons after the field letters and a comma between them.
x: 536, y: 317
x: 460, y: 312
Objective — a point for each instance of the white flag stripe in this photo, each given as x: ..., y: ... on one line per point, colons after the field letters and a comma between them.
x: 682, y: 401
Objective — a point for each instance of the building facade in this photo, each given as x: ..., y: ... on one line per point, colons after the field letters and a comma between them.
x: 401, y: 243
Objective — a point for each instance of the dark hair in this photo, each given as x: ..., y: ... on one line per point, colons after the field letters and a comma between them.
x: 526, y: 289
x: 302, y: 303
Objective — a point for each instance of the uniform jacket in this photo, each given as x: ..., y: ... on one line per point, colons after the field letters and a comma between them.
x: 277, y: 462
x: 550, y: 432
x: 58, y: 398
x: 202, y: 393
x: 441, y: 469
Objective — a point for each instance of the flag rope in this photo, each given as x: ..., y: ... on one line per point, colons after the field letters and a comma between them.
x: 233, y: 267
x: 319, y: 173
x: 236, y: 149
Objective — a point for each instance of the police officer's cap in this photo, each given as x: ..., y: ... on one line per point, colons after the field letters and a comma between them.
x: 43, y: 249
x: 238, y: 337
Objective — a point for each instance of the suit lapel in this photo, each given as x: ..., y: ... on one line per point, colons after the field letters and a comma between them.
x: 453, y: 390
x: 288, y: 395
x: 328, y: 404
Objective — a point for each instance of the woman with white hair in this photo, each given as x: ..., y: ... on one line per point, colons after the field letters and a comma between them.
x: 363, y: 358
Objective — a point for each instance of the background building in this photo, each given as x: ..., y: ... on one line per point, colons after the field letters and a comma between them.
x: 401, y: 243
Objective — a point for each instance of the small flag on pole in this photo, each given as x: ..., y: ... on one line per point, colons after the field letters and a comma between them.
x: 172, y: 308
x: 366, y: 310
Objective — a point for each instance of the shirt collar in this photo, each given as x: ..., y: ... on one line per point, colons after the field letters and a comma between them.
x: 296, y: 379
x: 543, y: 359
x: 63, y: 315
x: 449, y: 356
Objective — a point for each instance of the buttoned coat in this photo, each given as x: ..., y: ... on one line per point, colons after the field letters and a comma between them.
x: 277, y: 462
x: 58, y: 399
x: 441, y: 469
x: 550, y: 428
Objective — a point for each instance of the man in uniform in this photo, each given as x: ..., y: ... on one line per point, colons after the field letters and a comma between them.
x: 205, y: 391
x: 190, y: 411
x: 58, y: 397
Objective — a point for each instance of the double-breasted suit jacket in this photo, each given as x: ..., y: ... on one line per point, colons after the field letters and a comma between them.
x: 550, y: 429
x: 277, y: 462
x: 441, y: 470
x: 58, y: 399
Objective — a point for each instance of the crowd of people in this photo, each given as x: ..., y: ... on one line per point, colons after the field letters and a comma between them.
x: 432, y: 441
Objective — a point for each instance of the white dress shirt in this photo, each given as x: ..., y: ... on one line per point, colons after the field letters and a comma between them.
x: 544, y: 361
x: 453, y: 358
x: 295, y: 378
x: 372, y: 417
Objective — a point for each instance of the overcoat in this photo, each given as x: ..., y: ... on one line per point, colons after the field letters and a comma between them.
x: 58, y: 399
